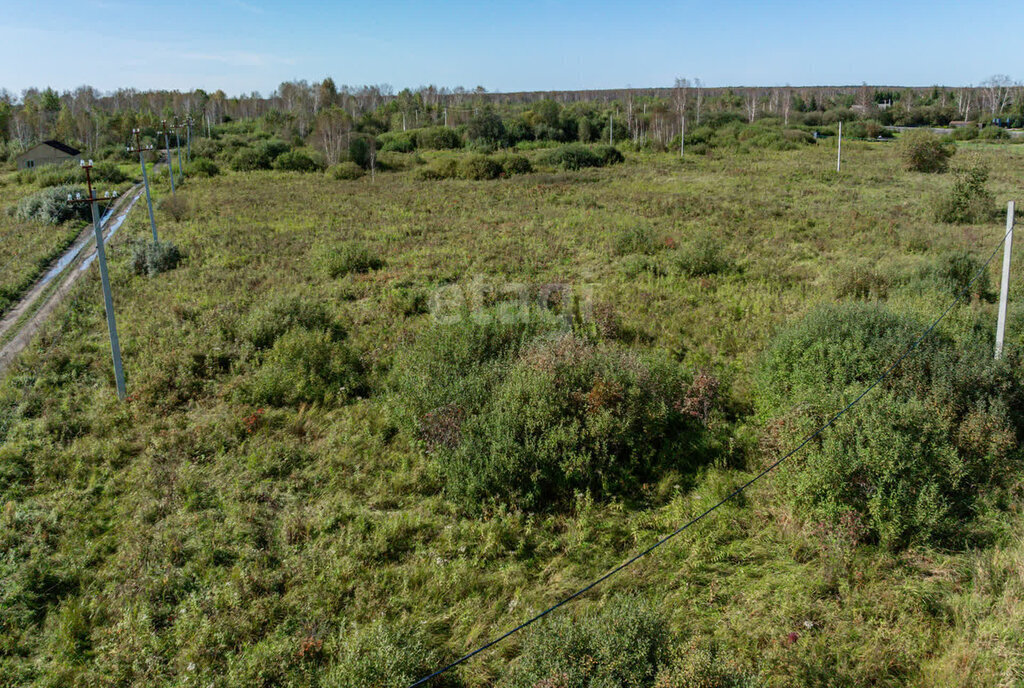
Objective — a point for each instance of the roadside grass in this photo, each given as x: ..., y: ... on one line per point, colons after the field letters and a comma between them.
x: 189, y: 537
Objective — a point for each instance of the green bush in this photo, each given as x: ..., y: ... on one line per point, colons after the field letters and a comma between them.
x: 438, y: 138
x: 359, y: 151
x: 51, y: 206
x: 955, y: 271
x: 572, y: 157
x: 701, y: 256
x: 297, y: 161
x: 923, y: 151
x: 969, y: 199
x: 623, y: 644
x: 282, y: 313
x: 176, y: 206
x: 272, y: 149
x: 477, y: 167
x: 338, y: 261
x: 910, y: 462
x: 249, y: 159
x: 993, y: 134
x: 398, y: 142
x: 306, y: 366
x: 385, y: 656
x: 346, y: 170
x: 640, y: 239
x: 608, y: 155
x: 444, y: 168
x: 516, y: 164
x: 149, y: 258
x: 202, y: 167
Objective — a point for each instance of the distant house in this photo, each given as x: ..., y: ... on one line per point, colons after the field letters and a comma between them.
x: 46, y: 153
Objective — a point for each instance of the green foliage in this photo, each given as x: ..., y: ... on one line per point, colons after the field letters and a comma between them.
x: 438, y: 138
x: 486, y: 126
x: 306, y: 366
x: 359, y: 151
x: 608, y: 155
x: 969, y: 200
x: 923, y: 151
x: 701, y: 256
x: 516, y: 164
x: 351, y: 257
x: 202, y: 167
x: 910, y: 463
x: 442, y: 168
x: 572, y: 157
x: 477, y: 167
x: 398, y: 142
x: 346, y: 170
x: 623, y: 644
x: 249, y: 159
x: 958, y: 272
x: 385, y: 656
x: 638, y: 239
x: 282, y: 313
x: 152, y: 258
x: 175, y: 206
x: 50, y: 206
x: 297, y: 161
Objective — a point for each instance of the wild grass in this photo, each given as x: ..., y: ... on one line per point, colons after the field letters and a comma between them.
x: 252, y: 517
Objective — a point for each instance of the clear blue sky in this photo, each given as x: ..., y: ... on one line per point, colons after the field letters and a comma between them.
x: 246, y: 45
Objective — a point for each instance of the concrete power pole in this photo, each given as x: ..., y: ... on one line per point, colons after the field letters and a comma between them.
x: 145, y: 179
x: 1004, y: 287
x: 108, y: 300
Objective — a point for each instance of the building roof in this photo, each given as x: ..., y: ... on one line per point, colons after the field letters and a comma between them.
x: 62, y: 147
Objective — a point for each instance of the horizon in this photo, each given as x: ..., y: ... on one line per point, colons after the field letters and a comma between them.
x: 538, y: 47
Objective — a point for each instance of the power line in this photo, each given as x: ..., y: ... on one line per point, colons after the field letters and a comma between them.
x: 885, y: 374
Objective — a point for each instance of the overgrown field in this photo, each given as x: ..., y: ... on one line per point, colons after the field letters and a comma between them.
x: 374, y: 423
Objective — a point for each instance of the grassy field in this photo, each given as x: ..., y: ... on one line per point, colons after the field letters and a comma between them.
x: 220, y: 530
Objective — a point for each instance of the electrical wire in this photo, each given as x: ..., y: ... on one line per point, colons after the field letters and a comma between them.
x: 881, y: 378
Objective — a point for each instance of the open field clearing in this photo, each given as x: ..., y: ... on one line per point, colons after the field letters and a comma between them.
x: 289, y: 497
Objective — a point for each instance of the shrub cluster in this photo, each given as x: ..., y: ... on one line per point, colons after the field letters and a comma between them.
x: 516, y: 412
x: 923, y: 151
x: 912, y: 461
x: 152, y: 258
x: 50, y: 206
x: 338, y: 261
x: 576, y: 156
x: 346, y: 170
x: 202, y: 167
x: 298, y: 161
x: 969, y: 200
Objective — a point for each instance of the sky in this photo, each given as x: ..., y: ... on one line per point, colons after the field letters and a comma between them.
x: 241, y: 46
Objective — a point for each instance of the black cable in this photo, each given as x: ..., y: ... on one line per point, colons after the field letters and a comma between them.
x: 888, y: 371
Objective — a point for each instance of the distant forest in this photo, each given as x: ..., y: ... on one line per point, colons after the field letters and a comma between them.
x: 319, y: 114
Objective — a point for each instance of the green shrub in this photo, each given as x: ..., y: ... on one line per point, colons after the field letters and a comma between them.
x: 701, y: 256
x: 923, y: 151
x: 640, y: 239
x: 516, y: 164
x: 346, y: 170
x: 385, y: 656
x: 438, y: 138
x: 969, y: 200
x: 398, y: 142
x: 176, y: 206
x: 861, y: 282
x: 249, y: 159
x: 572, y: 157
x: 359, y: 151
x: 910, y: 462
x: 282, y: 313
x: 338, y: 261
x: 955, y: 271
x: 149, y: 258
x: 297, y: 161
x: 202, y: 167
x: 623, y: 644
x: 993, y: 134
x: 444, y: 168
x: 608, y: 155
x: 51, y: 206
x: 306, y: 366
x: 108, y: 172
x: 272, y: 149
x: 477, y: 167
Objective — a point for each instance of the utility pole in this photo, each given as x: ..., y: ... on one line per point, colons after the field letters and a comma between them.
x: 611, y: 142
x: 167, y: 148
x: 189, y: 122
x: 839, y: 152
x: 108, y: 301
x: 682, y: 133
x: 177, y: 146
x: 145, y: 178
x: 1004, y: 287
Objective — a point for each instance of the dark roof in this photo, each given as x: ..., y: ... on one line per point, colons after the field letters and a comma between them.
x: 62, y: 148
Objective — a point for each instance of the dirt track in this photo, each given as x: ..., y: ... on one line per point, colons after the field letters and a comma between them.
x: 68, y: 268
